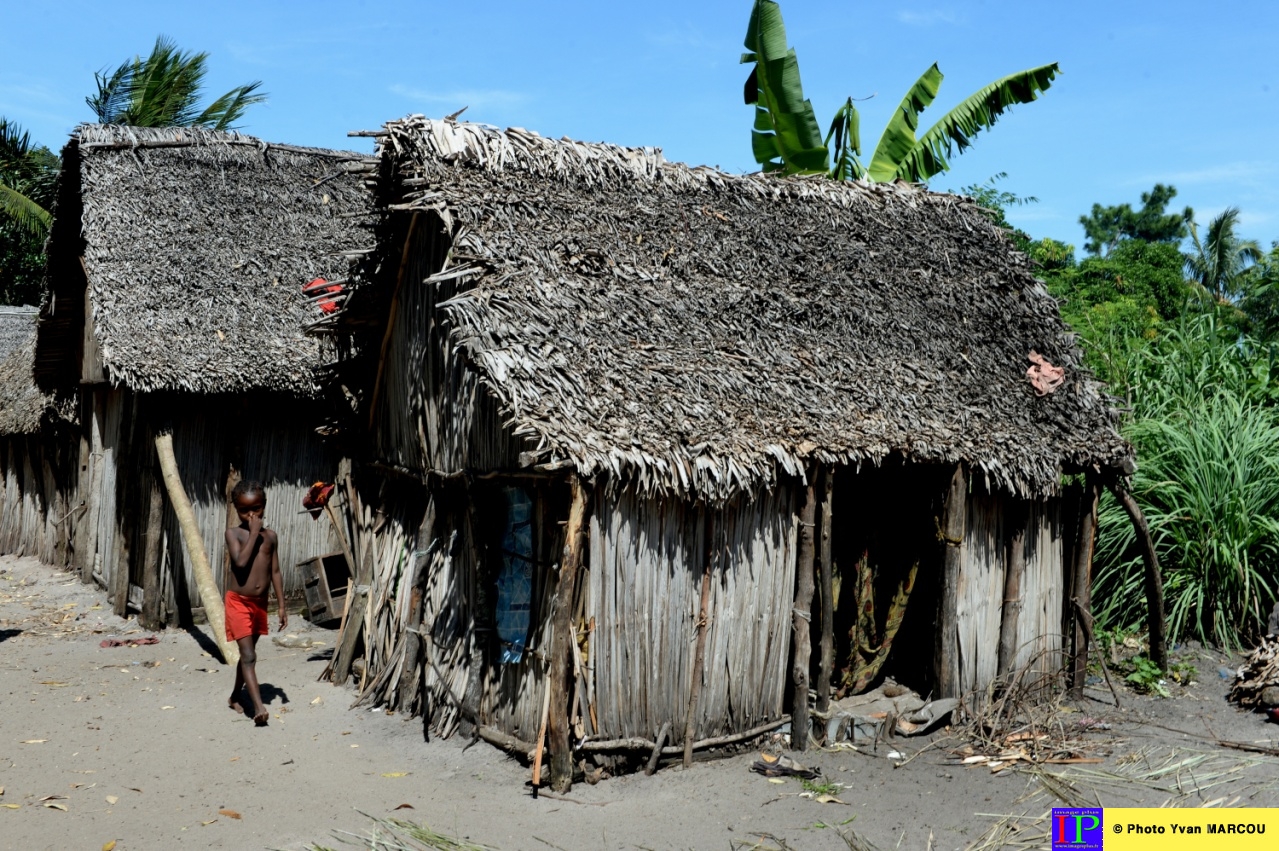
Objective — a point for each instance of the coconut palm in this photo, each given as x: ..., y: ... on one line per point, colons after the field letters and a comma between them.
x: 1220, y: 261
x: 162, y: 90
x: 787, y: 138
x: 27, y: 175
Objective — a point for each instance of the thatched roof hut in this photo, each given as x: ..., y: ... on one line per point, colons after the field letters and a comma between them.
x: 177, y: 262
x: 703, y: 332
x: 179, y: 257
x: 662, y: 378
x: 22, y: 405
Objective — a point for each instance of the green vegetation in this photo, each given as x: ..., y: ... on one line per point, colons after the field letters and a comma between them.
x: 162, y: 90
x: 787, y: 138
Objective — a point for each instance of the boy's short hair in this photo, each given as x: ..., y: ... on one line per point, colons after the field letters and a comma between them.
x: 246, y: 487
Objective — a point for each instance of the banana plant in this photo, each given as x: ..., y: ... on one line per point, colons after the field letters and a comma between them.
x: 786, y: 136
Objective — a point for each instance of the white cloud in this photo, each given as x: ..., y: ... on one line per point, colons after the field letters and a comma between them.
x: 1236, y: 172
x: 927, y: 19
x: 458, y: 98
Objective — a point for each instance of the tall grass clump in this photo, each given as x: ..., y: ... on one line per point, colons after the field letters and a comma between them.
x: 1206, y: 429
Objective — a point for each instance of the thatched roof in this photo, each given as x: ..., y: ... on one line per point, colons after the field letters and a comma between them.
x: 196, y: 245
x: 701, y: 331
x: 22, y: 405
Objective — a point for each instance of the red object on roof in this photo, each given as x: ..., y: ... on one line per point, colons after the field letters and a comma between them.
x: 316, y: 498
x: 320, y: 290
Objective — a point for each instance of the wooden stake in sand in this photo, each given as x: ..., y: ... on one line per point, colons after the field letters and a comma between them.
x: 209, y: 595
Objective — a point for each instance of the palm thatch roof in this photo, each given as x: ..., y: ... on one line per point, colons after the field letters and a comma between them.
x: 195, y: 246
x: 22, y: 406
x: 701, y: 331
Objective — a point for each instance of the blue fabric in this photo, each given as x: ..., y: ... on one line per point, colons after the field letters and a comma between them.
x: 515, y: 582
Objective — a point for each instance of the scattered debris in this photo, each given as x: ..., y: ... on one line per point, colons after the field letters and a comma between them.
x: 1257, y: 677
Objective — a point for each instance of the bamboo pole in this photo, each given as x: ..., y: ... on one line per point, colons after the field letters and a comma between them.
x: 801, y: 619
x: 1082, y: 592
x: 575, y: 543
x: 541, y: 736
x: 1011, y: 615
x: 1154, y: 577
x: 826, y: 569
x: 209, y: 595
x: 954, y: 520
x: 699, y: 657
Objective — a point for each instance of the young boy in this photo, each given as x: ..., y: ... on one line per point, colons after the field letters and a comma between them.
x: 255, y: 565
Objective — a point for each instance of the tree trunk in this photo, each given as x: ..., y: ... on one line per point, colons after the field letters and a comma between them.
x: 1154, y: 578
x: 801, y: 619
x: 209, y: 595
x: 562, y: 634
x: 954, y: 521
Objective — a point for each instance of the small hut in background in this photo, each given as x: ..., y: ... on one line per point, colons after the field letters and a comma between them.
x: 177, y: 263
x: 643, y: 431
x: 37, y: 451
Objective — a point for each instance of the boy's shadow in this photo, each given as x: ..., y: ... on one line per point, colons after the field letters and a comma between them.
x: 269, y: 695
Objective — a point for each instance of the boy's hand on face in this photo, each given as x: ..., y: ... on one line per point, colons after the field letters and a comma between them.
x: 255, y: 525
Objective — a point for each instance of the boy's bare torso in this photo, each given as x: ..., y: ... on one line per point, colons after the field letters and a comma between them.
x: 254, y: 580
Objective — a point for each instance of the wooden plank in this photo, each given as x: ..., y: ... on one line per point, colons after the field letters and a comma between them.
x: 952, y: 526
x: 699, y: 657
x: 801, y: 615
x: 825, y: 567
x: 1017, y: 518
x: 1081, y: 595
x: 151, y: 585
x: 575, y: 549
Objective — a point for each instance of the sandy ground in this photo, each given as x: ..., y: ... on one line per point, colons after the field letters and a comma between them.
x: 136, y: 745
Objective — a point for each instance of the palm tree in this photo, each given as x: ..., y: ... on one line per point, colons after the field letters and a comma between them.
x: 27, y: 176
x: 1220, y: 261
x: 162, y: 90
x: 786, y: 136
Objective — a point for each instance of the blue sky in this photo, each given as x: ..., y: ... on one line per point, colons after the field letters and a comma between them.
x: 1176, y: 92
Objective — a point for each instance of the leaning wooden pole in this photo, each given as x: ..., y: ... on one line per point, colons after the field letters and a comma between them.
x: 801, y: 619
x: 1154, y: 577
x: 951, y: 528
x: 1081, y: 595
x: 826, y: 658
x: 562, y: 636
x: 1010, y: 617
x: 209, y: 595
x: 698, y: 671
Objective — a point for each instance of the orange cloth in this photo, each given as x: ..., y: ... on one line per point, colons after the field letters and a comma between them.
x: 245, y: 616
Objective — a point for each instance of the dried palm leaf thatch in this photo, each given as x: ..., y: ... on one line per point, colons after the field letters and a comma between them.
x: 196, y: 245
x: 23, y: 407
x: 1259, y: 672
x: 703, y: 332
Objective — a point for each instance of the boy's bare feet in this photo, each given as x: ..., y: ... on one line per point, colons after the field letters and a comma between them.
x: 260, y: 716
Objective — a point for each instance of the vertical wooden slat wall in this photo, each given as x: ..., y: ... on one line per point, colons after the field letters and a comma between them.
x: 1039, y: 638
x: 981, y: 591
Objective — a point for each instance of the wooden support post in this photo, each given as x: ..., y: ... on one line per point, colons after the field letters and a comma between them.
x: 826, y: 569
x: 408, y: 686
x: 152, y: 588
x: 651, y: 768
x: 698, y: 670
x: 126, y: 509
x: 1082, y: 593
x: 357, y: 600
x: 801, y: 619
x: 561, y: 654
x: 195, y: 548
x: 954, y: 522
x: 1019, y: 517
x: 1154, y: 578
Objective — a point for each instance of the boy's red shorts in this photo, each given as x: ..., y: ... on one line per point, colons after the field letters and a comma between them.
x: 245, y: 616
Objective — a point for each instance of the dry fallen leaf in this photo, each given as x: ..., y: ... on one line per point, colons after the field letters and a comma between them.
x: 11, y: 806
x: 827, y: 799
x: 395, y: 774
x: 55, y: 805
x: 1, y: 790
x: 233, y: 759
x: 54, y: 683
x: 166, y: 707
x: 779, y: 781
x: 109, y: 846
x: 112, y: 799
x: 229, y: 813
x: 33, y: 741
x: 205, y: 823
x: 405, y: 807
x: 317, y: 701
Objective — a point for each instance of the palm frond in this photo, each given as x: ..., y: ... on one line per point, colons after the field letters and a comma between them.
x: 25, y: 213
x: 224, y: 112
x: 917, y: 161
x: 898, y: 139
